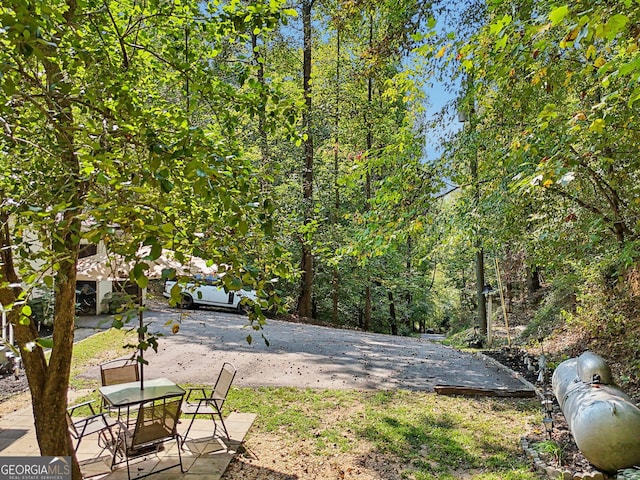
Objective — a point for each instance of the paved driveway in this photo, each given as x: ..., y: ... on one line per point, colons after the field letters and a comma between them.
x: 308, y: 356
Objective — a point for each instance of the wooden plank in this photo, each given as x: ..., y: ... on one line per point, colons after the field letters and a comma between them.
x: 483, y: 392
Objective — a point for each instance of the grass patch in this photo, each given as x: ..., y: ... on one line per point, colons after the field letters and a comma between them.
x: 92, y: 351
x: 433, y: 437
x: 97, y: 349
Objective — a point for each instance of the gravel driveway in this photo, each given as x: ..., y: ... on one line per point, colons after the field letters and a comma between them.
x: 302, y: 355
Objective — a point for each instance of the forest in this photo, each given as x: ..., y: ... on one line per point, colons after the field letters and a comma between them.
x: 288, y: 141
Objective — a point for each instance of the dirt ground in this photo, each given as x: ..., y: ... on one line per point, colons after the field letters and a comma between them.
x: 268, y: 457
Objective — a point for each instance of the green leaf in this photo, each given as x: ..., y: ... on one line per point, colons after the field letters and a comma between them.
x: 156, y: 252
x: 45, y: 342
x: 615, y: 25
x: 558, y: 14
x: 236, y: 284
x: 635, y: 95
x: 168, y: 273
x: 142, y: 281
x: 502, y: 42
x: 249, y: 339
x: 8, y: 86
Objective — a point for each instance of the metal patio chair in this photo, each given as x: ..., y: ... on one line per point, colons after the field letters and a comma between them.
x: 118, y: 371
x: 210, y: 403
x: 98, y: 423
x: 156, y: 423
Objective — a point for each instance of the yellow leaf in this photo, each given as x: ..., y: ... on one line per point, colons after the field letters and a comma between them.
x: 441, y: 52
x: 599, y: 62
x: 597, y: 126
x: 591, y: 52
x: 572, y: 35
x: 568, y: 79
x: 175, y: 328
x: 580, y: 116
x: 547, y: 183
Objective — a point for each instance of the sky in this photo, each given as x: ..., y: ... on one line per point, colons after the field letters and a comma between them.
x: 438, y: 97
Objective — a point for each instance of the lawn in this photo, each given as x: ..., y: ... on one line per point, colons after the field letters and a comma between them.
x: 386, y: 434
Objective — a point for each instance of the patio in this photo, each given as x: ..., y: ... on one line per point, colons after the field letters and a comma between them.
x: 204, y: 457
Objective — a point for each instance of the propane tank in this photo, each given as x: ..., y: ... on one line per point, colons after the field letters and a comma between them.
x: 593, y: 369
x: 604, y: 420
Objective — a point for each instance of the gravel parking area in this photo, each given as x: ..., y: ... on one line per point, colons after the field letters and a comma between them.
x: 300, y: 355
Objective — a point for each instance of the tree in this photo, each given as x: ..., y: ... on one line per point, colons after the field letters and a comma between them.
x: 306, y: 263
x: 97, y: 145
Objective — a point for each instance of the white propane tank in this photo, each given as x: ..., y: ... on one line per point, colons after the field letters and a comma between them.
x: 604, y: 421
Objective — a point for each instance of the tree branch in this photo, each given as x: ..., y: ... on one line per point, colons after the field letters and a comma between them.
x: 125, y: 57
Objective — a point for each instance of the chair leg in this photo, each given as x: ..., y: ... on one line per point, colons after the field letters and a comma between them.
x: 127, y: 459
x: 117, y: 444
x: 224, y: 427
x: 215, y: 425
x: 106, y: 443
x: 186, y: 435
x: 179, y: 454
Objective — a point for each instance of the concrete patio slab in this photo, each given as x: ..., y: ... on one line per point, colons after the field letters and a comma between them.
x: 204, y: 456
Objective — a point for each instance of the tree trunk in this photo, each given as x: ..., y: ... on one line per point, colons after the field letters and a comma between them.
x: 410, y: 322
x: 367, y: 186
x: 479, y: 252
x: 48, y: 384
x: 482, y: 304
x: 367, y: 308
x: 335, y: 282
x: 335, y: 296
x: 533, y: 280
x: 306, y: 264
x: 392, y: 313
x: 533, y: 285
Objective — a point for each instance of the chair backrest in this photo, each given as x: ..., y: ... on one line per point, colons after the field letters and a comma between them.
x: 223, y: 384
x: 157, y: 421
x: 123, y: 373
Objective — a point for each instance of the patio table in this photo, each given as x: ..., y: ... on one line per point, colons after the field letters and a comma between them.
x: 129, y: 394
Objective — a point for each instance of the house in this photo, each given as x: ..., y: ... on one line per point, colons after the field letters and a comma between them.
x: 106, y: 275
